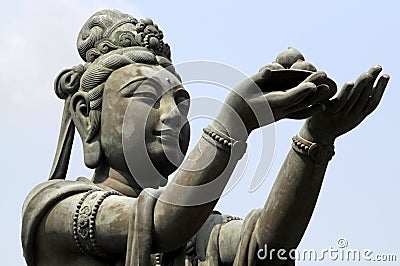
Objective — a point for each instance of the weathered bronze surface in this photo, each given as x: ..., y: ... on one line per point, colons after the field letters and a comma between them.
x: 128, y: 98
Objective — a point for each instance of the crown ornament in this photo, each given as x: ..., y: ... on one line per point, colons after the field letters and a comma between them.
x: 109, y: 30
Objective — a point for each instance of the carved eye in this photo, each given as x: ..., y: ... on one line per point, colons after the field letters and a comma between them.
x: 148, y: 97
x: 146, y: 94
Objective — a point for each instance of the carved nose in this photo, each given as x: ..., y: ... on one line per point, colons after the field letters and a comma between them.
x: 171, y: 115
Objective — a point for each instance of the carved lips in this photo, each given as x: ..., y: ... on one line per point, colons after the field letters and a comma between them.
x: 167, y: 137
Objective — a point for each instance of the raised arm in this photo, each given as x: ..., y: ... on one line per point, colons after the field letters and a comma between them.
x: 291, y: 202
x: 246, y: 109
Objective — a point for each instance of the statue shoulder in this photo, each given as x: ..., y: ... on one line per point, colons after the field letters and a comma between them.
x: 39, y: 201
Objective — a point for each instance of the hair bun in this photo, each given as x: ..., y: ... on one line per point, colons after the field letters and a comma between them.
x: 68, y: 81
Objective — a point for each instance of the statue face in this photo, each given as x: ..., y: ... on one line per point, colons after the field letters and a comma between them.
x: 143, y: 113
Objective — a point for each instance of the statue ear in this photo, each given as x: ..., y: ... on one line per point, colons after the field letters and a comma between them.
x: 80, y: 110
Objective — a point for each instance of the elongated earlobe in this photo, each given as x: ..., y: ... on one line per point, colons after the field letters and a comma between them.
x: 80, y: 112
x: 92, y: 153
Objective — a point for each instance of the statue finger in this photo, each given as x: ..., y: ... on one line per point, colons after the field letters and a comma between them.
x: 320, y: 78
x: 339, y: 102
x: 291, y: 97
x: 364, y: 97
x: 376, y: 97
x: 317, y: 78
x: 355, y: 93
x: 265, y: 73
x: 320, y: 96
x: 374, y: 71
x: 261, y: 76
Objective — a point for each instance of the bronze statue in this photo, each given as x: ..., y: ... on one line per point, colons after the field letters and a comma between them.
x: 123, y: 216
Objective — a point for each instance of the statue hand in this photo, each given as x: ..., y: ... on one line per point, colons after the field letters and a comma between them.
x: 351, y: 106
x: 250, y: 100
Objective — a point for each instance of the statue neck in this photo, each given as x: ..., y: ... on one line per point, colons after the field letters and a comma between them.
x: 107, y: 177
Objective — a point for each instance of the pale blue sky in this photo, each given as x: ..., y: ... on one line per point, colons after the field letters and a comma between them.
x: 360, y: 195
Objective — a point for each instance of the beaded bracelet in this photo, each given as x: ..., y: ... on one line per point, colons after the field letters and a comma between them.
x: 317, y: 152
x: 235, y: 147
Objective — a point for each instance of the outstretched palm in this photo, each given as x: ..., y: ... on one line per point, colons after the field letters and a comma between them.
x: 343, y: 113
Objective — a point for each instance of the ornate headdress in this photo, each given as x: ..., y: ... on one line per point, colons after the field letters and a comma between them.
x: 100, y: 35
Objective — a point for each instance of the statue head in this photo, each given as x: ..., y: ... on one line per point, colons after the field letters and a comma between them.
x: 127, y: 65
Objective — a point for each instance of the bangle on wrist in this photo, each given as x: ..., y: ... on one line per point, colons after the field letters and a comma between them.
x: 317, y: 152
x: 220, y: 140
